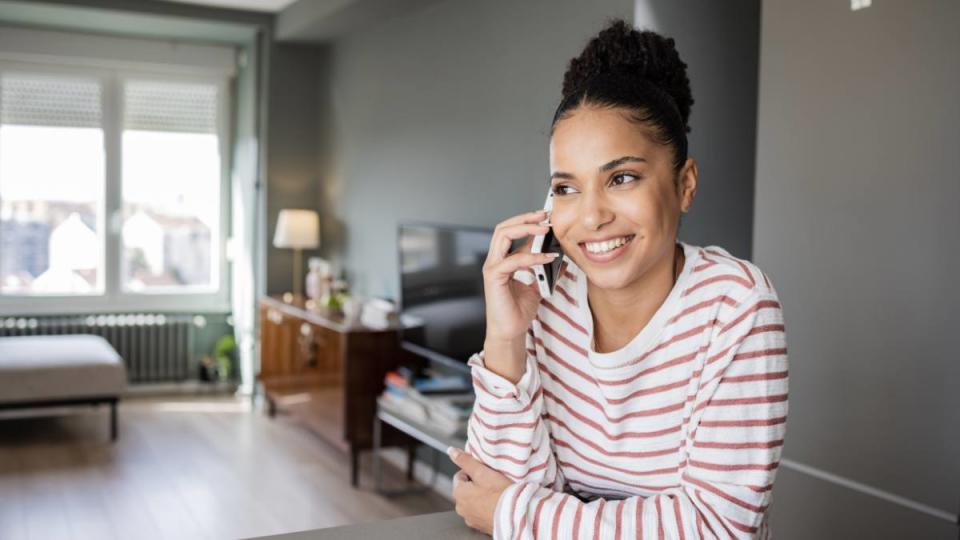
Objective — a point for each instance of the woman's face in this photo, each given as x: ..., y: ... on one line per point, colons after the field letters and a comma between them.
x: 617, y: 199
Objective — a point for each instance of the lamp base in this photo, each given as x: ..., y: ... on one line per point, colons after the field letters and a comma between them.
x: 297, y: 273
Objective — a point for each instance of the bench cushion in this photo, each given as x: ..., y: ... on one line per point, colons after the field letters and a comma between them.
x: 37, y: 368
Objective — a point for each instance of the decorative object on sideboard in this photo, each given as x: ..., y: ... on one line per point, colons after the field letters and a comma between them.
x: 379, y: 313
x: 298, y: 230
x: 352, y: 307
x: 332, y: 300
x: 319, y: 278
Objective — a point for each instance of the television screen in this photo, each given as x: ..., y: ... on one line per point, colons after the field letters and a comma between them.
x: 441, y: 287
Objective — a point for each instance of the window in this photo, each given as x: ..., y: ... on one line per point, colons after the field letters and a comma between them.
x: 112, y: 188
x: 171, y: 186
x: 51, y: 184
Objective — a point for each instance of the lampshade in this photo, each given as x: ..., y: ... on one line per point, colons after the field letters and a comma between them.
x: 297, y: 229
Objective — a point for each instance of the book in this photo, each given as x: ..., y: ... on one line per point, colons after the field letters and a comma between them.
x: 446, y: 412
x: 451, y: 384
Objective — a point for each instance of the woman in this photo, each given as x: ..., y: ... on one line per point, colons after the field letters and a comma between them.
x: 648, y: 396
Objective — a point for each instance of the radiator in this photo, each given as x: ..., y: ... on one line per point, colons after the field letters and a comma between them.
x: 154, y: 347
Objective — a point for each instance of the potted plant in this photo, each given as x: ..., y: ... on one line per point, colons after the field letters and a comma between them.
x: 223, y: 353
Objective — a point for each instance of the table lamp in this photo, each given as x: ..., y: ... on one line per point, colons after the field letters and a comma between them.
x: 297, y: 230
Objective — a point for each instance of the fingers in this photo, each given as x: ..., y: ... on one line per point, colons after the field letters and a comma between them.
x: 460, y: 480
x: 519, y: 261
x: 503, y: 237
x: 468, y: 464
x: 464, y: 493
x: 460, y: 483
x: 465, y: 461
x: 530, y: 217
x: 524, y: 276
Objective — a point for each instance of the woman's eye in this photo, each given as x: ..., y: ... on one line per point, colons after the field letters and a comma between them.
x: 623, y: 178
x: 563, y: 189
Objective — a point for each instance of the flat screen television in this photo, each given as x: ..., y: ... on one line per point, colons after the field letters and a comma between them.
x: 441, y: 288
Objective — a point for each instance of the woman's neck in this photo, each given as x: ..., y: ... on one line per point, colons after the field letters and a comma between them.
x: 620, y: 314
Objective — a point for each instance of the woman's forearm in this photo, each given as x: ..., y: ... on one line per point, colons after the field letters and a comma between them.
x: 506, y: 431
x: 506, y: 358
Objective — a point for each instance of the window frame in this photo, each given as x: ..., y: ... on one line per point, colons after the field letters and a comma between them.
x: 114, y: 298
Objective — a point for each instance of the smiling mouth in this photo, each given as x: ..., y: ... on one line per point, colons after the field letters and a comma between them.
x: 606, y: 250
x: 599, y: 248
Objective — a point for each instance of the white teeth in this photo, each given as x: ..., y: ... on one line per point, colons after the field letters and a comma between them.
x: 603, y: 247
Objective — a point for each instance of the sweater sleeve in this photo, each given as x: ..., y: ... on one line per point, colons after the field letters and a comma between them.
x: 732, y: 451
x: 506, y: 430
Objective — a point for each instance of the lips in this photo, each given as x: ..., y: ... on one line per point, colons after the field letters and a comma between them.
x: 606, y: 250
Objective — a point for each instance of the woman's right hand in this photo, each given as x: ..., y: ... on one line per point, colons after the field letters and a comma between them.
x: 510, y: 304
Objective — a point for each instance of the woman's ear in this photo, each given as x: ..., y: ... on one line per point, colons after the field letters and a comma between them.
x: 687, y: 184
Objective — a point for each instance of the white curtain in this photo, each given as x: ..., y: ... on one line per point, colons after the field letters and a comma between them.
x: 245, y: 215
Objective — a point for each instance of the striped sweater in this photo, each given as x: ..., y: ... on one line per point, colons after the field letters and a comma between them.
x: 676, y: 435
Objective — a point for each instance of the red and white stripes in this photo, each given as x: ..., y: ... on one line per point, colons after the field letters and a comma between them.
x: 677, y: 435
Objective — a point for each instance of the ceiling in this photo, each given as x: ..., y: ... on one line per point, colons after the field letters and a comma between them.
x: 305, y: 21
x: 124, y: 23
x: 316, y: 21
x: 270, y: 6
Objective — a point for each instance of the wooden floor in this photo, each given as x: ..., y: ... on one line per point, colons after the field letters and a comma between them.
x: 183, y: 469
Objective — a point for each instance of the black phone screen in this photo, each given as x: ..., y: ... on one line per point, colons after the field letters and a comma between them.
x: 552, y: 270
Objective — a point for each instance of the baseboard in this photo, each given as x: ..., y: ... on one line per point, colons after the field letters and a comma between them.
x: 191, y: 387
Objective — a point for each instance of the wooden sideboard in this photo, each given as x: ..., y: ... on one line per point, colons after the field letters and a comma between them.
x: 325, y: 372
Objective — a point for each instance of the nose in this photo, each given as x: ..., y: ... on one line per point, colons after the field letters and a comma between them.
x: 595, y: 211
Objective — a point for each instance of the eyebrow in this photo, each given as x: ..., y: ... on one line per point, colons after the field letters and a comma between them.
x: 603, y: 168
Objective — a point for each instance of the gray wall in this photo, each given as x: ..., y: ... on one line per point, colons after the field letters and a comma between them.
x: 719, y: 41
x: 294, y: 146
x: 442, y: 115
x: 856, y: 223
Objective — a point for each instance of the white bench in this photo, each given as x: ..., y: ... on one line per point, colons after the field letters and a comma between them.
x: 45, y: 371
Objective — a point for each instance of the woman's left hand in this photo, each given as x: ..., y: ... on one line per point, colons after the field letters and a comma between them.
x: 476, y: 490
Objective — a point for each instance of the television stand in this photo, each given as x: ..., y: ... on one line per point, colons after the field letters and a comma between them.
x: 417, y: 430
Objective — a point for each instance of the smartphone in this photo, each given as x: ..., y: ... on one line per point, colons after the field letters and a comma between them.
x: 546, y: 275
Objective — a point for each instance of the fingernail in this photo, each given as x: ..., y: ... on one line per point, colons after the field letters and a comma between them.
x: 453, y: 453
x: 552, y: 255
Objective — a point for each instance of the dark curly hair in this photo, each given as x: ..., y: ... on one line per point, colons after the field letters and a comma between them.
x: 639, y: 70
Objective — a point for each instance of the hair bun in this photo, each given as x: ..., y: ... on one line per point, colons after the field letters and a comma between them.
x: 622, y: 51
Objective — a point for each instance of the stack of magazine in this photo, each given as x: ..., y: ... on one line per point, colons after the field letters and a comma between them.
x: 443, y: 403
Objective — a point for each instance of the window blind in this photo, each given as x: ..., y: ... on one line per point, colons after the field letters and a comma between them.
x: 170, y: 106
x: 50, y: 100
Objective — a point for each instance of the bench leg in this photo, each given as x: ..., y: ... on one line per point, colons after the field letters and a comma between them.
x: 113, y: 420
x: 354, y: 467
x: 271, y: 408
